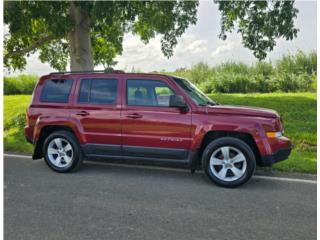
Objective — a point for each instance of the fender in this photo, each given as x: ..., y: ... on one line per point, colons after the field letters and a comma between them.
x: 247, y: 125
x: 56, y: 121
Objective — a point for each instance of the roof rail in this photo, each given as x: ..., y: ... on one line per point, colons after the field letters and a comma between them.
x: 93, y: 71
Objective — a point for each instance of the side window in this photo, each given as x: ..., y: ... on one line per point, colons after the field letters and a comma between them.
x: 56, y: 91
x: 84, y: 91
x: 148, y: 93
x: 163, y: 94
x: 98, y: 91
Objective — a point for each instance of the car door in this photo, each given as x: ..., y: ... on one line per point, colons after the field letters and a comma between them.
x: 150, y: 128
x: 97, y: 109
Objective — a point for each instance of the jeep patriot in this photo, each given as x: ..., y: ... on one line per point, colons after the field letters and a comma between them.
x: 149, y: 119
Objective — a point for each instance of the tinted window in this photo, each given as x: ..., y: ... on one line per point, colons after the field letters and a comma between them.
x: 84, y: 91
x: 98, y: 91
x: 148, y: 93
x: 163, y: 94
x: 56, y: 90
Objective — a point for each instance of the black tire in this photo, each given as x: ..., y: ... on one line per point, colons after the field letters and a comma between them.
x: 236, y: 144
x: 77, y: 155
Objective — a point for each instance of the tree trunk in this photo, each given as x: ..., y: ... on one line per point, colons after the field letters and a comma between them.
x: 79, y: 40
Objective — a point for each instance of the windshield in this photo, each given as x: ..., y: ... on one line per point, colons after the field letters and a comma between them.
x: 196, y: 95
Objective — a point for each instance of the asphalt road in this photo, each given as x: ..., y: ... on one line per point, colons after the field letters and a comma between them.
x: 120, y: 202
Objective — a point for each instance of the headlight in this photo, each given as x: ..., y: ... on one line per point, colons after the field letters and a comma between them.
x: 274, y: 134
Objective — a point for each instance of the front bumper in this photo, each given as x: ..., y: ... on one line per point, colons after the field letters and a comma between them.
x: 280, y: 155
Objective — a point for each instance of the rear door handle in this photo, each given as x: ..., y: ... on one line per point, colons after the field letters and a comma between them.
x: 82, y: 113
x: 134, y: 115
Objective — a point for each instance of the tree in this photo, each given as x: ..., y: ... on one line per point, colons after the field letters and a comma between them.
x: 87, y: 34
x: 259, y: 23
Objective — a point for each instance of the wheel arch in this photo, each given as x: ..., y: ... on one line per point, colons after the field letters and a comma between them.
x: 44, y: 133
x: 213, y: 135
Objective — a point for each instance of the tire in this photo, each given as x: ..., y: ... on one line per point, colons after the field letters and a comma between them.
x: 64, y: 158
x: 228, y: 162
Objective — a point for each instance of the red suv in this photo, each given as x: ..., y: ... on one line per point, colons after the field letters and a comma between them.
x: 149, y: 118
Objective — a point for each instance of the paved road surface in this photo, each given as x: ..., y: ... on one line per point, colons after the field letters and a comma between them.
x: 120, y: 202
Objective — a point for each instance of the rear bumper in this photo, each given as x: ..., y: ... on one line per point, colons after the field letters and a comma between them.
x: 28, y: 134
x: 280, y: 155
x: 29, y: 140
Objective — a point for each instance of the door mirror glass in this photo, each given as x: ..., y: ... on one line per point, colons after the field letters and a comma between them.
x: 177, y: 101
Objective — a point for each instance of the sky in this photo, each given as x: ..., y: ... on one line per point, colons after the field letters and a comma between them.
x: 201, y: 43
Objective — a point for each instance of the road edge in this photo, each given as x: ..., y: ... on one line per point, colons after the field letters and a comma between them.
x: 259, y: 173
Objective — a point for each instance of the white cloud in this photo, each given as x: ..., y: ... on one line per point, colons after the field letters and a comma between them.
x: 225, y: 49
x: 149, y: 57
x: 190, y: 44
x: 137, y: 54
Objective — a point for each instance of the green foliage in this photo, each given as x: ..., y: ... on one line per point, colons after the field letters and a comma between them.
x: 314, y: 82
x: 200, y: 72
x: 259, y: 23
x: 14, y: 122
x: 286, y: 76
x: 45, y: 26
x: 233, y: 83
x: 22, y: 84
x: 296, y: 72
x: 36, y: 26
x: 298, y: 110
x: 292, y: 73
x: 298, y: 63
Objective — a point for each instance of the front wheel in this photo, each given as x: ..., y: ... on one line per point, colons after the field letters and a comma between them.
x: 228, y: 162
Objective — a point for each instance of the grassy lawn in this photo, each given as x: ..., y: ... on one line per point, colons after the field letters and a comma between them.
x: 14, y: 120
x: 298, y: 111
x: 299, y: 114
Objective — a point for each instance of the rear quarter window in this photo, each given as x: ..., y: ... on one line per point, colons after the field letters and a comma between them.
x: 56, y: 91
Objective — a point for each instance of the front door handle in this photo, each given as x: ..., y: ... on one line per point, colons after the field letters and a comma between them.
x: 134, y: 115
x: 82, y: 113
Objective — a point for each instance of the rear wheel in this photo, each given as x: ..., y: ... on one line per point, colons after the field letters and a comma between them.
x: 228, y: 162
x: 62, y: 152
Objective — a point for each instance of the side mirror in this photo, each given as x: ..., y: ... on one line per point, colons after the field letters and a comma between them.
x: 177, y: 101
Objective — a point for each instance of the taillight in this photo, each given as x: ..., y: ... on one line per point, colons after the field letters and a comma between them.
x: 27, y: 118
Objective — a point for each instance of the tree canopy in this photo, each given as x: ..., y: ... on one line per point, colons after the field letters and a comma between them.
x: 87, y: 34
x: 260, y: 23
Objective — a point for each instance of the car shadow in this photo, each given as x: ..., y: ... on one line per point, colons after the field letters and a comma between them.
x: 164, y: 173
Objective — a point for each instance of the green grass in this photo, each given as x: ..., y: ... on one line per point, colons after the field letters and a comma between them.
x: 298, y: 111
x: 14, y: 119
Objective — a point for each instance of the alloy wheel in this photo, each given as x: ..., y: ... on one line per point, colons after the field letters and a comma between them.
x: 60, y: 152
x: 228, y: 163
